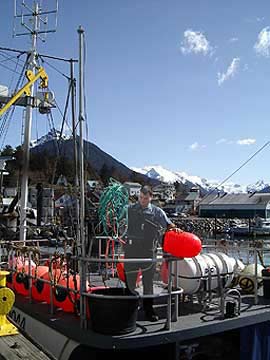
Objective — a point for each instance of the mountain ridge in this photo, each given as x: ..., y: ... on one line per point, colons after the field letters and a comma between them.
x: 102, y: 162
x: 160, y: 173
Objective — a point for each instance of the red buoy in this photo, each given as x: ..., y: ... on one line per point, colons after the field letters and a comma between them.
x: 63, y: 296
x: 41, y: 289
x: 181, y: 244
x: 121, y: 273
x: 21, y: 279
x: 164, y: 272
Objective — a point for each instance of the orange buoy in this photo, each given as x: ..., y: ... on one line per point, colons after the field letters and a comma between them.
x: 63, y: 296
x: 121, y: 273
x: 21, y: 279
x: 181, y: 244
x: 10, y: 280
x: 41, y: 289
x: 164, y: 272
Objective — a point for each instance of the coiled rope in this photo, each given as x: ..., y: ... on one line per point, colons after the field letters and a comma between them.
x: 112, y: 209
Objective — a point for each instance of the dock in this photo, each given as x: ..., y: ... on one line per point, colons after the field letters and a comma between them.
x: 19, y: 347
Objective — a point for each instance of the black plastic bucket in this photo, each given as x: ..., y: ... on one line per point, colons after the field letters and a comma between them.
x: 113, y: 311
x: 266, y: 283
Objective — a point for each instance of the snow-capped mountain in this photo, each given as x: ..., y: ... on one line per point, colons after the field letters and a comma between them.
x: 52, y: 135
x: 260, y: 185
x: 157, y: 173
x: 160, y: 173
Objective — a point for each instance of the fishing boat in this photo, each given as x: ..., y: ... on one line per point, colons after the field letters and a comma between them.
x: 75, y: 304
x: 260, y: 227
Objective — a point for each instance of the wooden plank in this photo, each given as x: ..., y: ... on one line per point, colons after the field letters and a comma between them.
x: 18, y: 347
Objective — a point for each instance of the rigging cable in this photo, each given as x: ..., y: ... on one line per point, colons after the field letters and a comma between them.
x: 239, y: 168
x: 65, y: 110
x: 5, y: 122
x: 54, y: 68
x: 12, y: 78
x: 52, y: 126
x: 8, y: 68
x: 11, y: 58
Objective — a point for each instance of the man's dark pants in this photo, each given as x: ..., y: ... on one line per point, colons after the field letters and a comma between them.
x: 138, y: 250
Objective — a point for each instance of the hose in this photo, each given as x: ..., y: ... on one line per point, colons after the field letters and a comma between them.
x: 112, y: 209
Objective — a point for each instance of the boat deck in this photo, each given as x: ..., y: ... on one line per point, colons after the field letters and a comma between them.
x: 191, y: 324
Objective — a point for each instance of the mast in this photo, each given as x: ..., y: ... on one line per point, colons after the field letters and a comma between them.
x: 27, y: 130
x: 34, y: 16
x: 81, y: 150
x: 82, y: 246
x: 75, y: 147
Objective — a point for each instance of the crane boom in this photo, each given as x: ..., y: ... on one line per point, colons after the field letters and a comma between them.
x: 25, y: 90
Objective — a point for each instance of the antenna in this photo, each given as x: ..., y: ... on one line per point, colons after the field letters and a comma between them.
x: 28, y: 12
x: 34, y: 19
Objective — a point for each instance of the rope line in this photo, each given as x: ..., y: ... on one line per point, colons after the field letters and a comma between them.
x: 112, y: 209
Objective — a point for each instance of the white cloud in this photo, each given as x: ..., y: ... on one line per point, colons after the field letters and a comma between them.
x: 246, y: 141
x: 196, y: 146
x: 233, y: 39
x: 255, y: 19
x: 221, y: 141
x: 231, y: 71
x: 238, y: 142
x: 195, y: 42
x: 262, y: 45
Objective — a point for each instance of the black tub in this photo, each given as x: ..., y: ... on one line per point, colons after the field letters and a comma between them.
x: 113, y: 311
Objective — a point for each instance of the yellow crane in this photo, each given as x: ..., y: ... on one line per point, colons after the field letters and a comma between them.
x: 25, y: 90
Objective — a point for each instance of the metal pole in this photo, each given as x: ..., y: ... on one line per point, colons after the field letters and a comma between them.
x: 27, y: 129
x: 176, y: 296
x: 215, y: 226
x: 39, y: 188
x: 169, y: 303
x: 1, y: 183
x: 75, y: 147
x: 256, y: 277
x: 82, y: 202
x: 81, y: 150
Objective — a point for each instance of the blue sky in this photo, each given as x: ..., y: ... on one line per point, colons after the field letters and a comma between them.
x: 177, y: 83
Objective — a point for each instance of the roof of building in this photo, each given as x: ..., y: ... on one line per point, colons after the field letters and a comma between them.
x: 192, y: 196
x: 132, y: 184
x: 236, y: 199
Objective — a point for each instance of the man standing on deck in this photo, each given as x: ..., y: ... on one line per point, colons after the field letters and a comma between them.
x: 145, y: 222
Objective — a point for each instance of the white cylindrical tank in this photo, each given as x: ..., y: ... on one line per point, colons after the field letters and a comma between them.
x: 203, y: 271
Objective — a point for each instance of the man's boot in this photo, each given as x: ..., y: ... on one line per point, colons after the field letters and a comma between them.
x: 149, y: 312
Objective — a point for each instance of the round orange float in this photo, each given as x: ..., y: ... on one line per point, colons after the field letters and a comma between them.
x: 41, y: 289
x: 181, y: 244
x: 63, y: 296
x: 121, y: 273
